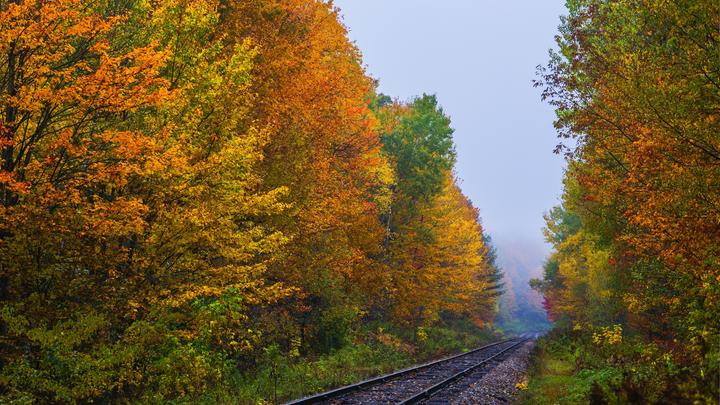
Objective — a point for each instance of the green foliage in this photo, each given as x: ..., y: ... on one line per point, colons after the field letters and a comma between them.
x: 570, y: 368
x: 284, y: 377
x: 377, y: 348
x: 452, y: 336
x: 561, y: 224
x: 421, y: 148
x: 334, y: 328
x: 148, y: 362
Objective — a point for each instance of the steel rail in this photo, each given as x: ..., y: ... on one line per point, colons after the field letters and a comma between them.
x: 429, y: 392
x: 338, y: 392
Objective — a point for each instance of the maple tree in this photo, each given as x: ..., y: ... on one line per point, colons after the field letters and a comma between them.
x: 67, y: 222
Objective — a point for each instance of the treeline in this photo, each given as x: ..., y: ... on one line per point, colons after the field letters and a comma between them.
x: 187, y: 183
x: 635, y: 275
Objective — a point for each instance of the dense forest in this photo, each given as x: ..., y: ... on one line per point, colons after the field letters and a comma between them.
x: 201, y: 196
x: 634, y: 280
x: 210, y: 201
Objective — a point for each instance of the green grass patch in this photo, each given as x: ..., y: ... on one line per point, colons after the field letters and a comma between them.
x: 570, y: 367
x: 281, y: 378
x: 378, y: 349
x: 553, y: 379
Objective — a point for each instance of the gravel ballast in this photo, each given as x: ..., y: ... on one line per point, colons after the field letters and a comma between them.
x: 499, y: 385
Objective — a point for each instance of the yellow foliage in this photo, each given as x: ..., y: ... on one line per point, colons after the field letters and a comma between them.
x: 608, y: 336
x: 439, y: 261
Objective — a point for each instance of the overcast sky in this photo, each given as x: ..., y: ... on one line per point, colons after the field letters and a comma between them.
x: 479, y: 57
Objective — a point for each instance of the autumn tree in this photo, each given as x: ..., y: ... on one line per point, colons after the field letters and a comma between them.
x: 324, y: 148
x: 439, y: 263
x: 131, y: 226
x: 435, y: 247
x: 580, y: 284
x: 417, y: 138
x: 635, y: 83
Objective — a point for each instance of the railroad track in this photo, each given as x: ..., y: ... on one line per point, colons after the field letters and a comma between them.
x: 434, y: 382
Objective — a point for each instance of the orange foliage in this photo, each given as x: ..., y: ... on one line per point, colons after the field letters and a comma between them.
x: 313, y: 94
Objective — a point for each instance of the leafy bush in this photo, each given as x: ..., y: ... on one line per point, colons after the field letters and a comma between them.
x: 377, y: 348
x: 595, y: 366
x: 281, y: 377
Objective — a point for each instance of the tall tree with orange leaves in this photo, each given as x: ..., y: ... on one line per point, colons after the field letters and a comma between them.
x: 131, y: 222
x: 313, y: 96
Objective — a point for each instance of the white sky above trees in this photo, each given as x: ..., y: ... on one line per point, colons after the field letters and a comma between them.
x: 479, y: 57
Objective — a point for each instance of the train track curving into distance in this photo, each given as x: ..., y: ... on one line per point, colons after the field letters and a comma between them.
x: 434, y: 382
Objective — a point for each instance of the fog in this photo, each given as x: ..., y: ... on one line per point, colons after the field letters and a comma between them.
x: 480, y: 58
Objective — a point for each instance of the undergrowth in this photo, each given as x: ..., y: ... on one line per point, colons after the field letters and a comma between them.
x: 377, y: 349
x: 601, y: 366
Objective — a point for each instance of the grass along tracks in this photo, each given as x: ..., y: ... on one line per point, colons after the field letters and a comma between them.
x: 430, y: 382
